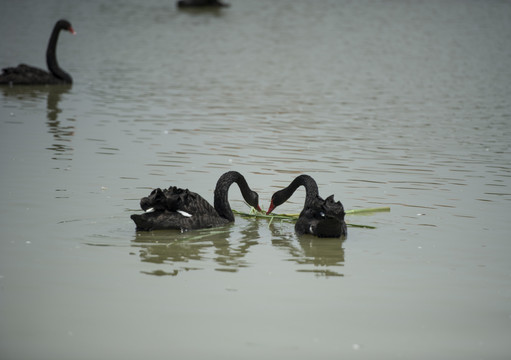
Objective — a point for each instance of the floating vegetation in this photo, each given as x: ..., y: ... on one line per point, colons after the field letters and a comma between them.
x: 293, y: 217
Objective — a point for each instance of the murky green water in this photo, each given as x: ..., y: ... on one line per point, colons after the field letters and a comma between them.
x: 404, y: 104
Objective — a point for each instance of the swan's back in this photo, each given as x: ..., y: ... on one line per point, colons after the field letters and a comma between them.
x: 174, y: 199
x: 28, y: 75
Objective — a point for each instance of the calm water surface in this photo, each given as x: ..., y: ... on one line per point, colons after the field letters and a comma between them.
x: 404, y: 104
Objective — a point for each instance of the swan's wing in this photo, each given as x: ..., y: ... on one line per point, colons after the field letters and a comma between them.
x: 320, y: 225
x: 174, y: 199
x: 25, y: 74
x: 156, y: 200
x: 188, y: 201
x: 23, y: 69
x: 333, y: 208
x: 322, y: 218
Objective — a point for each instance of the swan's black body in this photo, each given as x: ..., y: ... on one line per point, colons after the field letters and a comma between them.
x: 28, y: 75
x: 322, y: 218
x: 201, y: 3
x: 181, y: 209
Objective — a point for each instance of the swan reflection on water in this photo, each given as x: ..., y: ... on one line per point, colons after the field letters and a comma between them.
x: 197, y: 249
x: 225, y: 249
x: 320, y: 256
x: 62, y: 132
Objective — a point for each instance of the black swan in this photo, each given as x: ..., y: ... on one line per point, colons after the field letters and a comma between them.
x: 200, y: 3
x: 322, y: 218
x: 28, y: 75
x: 181, y: 209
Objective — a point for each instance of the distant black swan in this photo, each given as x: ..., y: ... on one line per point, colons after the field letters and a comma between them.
x: 322, y: 218
x: 199, y: 3
x: 28, y: 75
x: 185, y: 210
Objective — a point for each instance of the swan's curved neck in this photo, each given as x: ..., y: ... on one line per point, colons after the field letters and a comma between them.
x: 223, y: 184
x: 311, y: 189
x: 51, y: 57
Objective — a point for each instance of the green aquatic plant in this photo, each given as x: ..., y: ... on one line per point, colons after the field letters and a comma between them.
x: 254, y: 213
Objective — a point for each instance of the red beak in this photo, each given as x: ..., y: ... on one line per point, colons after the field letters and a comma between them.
x: 72, y: 31
x: 258, y: 208
x: 270, y: 209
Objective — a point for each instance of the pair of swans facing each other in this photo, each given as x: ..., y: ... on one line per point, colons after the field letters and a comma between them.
x: 181, y: 209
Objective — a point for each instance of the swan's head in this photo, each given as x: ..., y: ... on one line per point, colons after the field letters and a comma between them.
x: 277, y: 199
x: 253, y: 200
x: 66, y: 25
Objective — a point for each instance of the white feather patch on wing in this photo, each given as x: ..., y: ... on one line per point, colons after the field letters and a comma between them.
x: 149, y: 210
x: 184, y: 213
